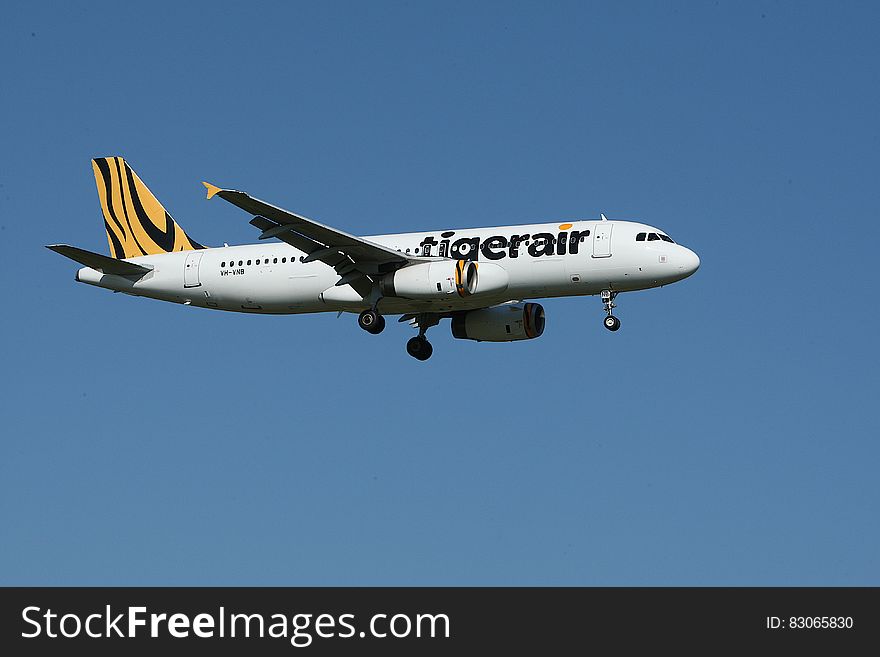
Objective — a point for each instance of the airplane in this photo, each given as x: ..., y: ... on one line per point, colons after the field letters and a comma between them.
x: 483, y: 279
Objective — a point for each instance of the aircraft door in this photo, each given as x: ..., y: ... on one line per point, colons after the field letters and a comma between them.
x: 191, y: 269
x: 602, y: 239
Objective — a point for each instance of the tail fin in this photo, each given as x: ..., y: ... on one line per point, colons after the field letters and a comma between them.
x: 135, y: 221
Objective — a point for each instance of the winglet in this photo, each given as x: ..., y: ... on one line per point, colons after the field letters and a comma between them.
x: 212, y: 189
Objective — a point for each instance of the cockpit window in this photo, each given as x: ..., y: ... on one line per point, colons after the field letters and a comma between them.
x: 654, y: 237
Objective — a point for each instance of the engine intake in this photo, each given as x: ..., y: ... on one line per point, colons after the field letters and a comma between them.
x: 506, y: 323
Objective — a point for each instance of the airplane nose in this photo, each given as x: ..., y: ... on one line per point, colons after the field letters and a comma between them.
x: 690, y: 262
x: 695, y: 261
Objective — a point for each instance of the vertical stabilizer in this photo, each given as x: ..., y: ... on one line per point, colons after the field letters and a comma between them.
x: 135, y: 221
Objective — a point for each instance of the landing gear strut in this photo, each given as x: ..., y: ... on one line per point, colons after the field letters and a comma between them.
x: 419, y: 347
x: 611, y: 322
x: 371, y: 321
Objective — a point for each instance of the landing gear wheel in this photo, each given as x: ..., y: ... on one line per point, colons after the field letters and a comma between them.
x: 419, y: 348
x: 371, y: 322
x: 379, y: 326
x: 611, y: 322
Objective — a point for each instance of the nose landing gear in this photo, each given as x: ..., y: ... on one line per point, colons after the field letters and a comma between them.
x: 611, y: 322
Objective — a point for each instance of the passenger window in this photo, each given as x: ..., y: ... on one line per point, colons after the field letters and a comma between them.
x: 653, y: 237
x: 222, y: 264
x: 640, y: 237
x: 249, y: 262
x: 258, y: 261
x: 240, y: 262
x: 274, y: 261
x: 283, y: 260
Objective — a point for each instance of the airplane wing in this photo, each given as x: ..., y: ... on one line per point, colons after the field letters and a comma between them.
x: 354, y: 259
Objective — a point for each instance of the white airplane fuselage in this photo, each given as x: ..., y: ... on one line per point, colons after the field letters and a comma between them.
x: 540, y: 260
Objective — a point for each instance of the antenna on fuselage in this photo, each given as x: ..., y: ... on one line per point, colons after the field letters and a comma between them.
x: 604, y: 218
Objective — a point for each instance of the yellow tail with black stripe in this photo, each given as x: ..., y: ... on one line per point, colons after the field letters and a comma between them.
x: 136, y: 222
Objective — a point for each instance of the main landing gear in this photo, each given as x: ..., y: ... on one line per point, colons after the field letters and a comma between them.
x: 611, y: 322
x: 371, y: 321
x: 419, y: 347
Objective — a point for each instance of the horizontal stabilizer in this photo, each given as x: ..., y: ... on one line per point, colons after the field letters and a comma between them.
x: 99, y: 262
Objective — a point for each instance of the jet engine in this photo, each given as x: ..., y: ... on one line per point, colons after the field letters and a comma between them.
x: 504, y: 323
x: 436, y: 280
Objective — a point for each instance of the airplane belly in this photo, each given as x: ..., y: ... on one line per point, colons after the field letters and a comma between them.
x: 270, y: 290
x: 621, y: 278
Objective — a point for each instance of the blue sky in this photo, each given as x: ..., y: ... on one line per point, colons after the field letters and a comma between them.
x: 726, y: 435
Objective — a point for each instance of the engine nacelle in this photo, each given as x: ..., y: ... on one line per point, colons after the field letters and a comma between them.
x: 505, y: 323
x: 436, y: 280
